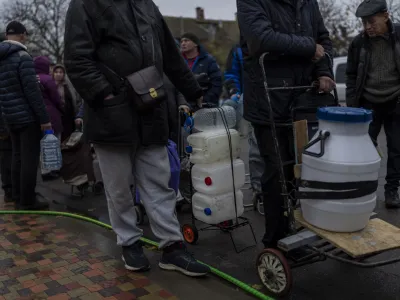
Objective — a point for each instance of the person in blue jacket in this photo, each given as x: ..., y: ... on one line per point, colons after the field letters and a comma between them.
x: 201, y: 62
x: 233, y: 76
x: 233, y: 84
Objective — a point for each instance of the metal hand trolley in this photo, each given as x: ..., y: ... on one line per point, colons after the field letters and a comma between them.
x: 191, y: 231
x: 358, y: 248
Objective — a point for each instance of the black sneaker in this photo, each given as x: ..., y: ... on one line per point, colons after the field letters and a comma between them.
x: 7, y: 198
x: 38, y: 205
x: 134, y: 258
x: 392, y: 199
x: 177, y: 258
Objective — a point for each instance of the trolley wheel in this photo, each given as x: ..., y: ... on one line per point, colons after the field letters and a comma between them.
x: 274, y: 272
x: 139, y: 214
x: 98, y: 188
x: 190, y: 233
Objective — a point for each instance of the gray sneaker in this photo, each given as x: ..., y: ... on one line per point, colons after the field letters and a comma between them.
x: 392, y: 199
x: 134, y: 258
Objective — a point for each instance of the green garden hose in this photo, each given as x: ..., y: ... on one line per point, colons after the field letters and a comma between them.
x: 220, y: 274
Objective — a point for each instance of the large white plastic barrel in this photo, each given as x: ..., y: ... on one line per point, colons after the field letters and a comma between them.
x: 216, y: 178
x: 349, y: 156
x: 214, y: 209
x: 212, y: 146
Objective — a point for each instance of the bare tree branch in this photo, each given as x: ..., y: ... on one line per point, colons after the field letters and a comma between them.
x: 45, y: 21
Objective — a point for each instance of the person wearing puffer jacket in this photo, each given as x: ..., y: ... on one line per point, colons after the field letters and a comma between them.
x: 52, y: 100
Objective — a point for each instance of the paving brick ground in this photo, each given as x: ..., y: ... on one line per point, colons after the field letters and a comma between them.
x: 40, y: 260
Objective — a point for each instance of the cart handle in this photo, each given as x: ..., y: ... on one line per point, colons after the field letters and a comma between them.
x: 323, y: 135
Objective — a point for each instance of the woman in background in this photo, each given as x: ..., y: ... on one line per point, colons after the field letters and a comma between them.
x: 77, y: 169
x: 52, y: 100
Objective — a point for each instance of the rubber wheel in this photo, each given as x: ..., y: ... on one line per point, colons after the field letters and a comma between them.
x: 139, y: 214
x: 190, y: 233
x: 98, y: 188
x: 274, y: 272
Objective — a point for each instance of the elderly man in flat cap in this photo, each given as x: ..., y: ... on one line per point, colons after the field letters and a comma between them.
x: 373, y: 82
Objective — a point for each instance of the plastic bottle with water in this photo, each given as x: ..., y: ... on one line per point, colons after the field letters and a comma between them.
x: 50, y: 152
x: 208, y: 119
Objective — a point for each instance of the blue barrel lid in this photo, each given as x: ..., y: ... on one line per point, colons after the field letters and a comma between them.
x: 344, y: 114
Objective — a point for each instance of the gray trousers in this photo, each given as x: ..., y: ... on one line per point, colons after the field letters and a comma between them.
x: 256, y: 162
x: 149, y: 169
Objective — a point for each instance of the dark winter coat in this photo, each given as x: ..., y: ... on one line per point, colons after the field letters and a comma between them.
x: 358, y: 59
x: 21, y: 101
x: 175, y: 100
x: 288, y: 31
x: 124, y: 36
x: 50, y: 93
x: 205, y: 63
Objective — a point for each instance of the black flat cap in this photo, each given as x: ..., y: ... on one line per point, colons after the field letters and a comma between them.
x: 15, y: 27
x: 371, y: 7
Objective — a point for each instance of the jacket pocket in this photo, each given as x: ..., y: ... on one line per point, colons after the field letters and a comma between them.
x: 113, y: 122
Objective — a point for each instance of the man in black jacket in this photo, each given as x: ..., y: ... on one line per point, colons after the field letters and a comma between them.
x: 296, y: 40
x: 373, y: 82
x: 105, y: 42
x: 201, y: 62
x: 24, y: 113
x: 5, y: 156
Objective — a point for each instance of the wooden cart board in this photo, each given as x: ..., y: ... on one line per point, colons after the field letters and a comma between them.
x: 377, y: 237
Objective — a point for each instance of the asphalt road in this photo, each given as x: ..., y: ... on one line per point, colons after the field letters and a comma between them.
x: 326, y: 280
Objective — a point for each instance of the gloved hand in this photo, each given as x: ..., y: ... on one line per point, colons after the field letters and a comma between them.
x: 184, y: 108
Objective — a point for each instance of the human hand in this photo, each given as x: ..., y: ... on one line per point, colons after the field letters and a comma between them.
x: 200, y: 102
x: 184, y: 108
x: 319, y: 53
x: 326, y: 84
x: 78, y: 122
x: 235, y: 96
x: 46, y: 126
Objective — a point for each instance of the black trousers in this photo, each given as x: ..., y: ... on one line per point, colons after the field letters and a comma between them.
x: 388, y: 116
x: 275, y: 222
x: 25, y: 161
x: 5, y: 165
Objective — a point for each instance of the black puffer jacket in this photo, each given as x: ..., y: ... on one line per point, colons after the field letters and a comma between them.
x: 126, y: 36
x: 21, y: 101
x: 289, y: 31
x: 358, y: 60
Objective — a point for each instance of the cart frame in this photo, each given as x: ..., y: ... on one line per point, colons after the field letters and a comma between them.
x: 303, y: 246
x: 191, y: 231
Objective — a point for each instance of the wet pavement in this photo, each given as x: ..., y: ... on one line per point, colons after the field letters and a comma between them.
x: 57, y: 258
x: 329, y: 279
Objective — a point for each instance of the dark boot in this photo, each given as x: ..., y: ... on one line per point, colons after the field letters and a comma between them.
x: 392, y: 199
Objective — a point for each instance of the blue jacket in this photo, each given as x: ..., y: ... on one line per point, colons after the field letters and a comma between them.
x: 233, y: 76
x: 205, y: 63
x: 21, y: 100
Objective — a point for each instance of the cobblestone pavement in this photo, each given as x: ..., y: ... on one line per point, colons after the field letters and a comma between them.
x: 40, y: 260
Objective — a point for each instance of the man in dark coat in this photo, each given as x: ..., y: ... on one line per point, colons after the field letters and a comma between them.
x: 373, y: 82
x: 201, y: 62
x: 293, y: 34
x: 105, y: 42
x: 5, y: 156
x: 24, y: 113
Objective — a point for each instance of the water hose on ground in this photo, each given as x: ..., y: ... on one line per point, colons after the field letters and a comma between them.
x: 216, y: 272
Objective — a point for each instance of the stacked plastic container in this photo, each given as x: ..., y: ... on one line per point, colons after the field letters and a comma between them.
x: 217, y: 179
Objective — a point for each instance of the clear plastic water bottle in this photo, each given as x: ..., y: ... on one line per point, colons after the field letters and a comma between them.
x: 207, y: 119
x: 50, y: 152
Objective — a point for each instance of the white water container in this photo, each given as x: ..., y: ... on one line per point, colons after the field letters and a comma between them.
x: 216, y: 209
x: 349, y: 156
x: 216, y: 178
x: 212, y: 146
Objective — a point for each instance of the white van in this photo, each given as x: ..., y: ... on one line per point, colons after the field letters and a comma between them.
x: 339, y: 71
